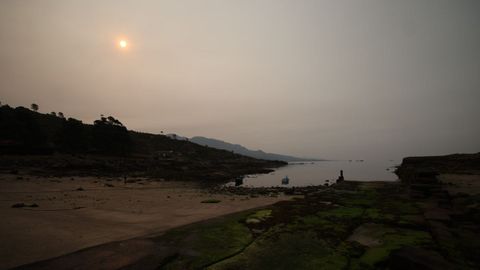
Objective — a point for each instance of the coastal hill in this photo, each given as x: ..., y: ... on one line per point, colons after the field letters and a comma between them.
x: 54, y: 145
x: 239, y: 149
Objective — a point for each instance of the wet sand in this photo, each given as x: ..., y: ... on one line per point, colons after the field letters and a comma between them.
x: 75, y: 213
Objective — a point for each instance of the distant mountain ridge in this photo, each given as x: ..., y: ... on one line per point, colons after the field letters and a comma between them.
x: 239, y: 149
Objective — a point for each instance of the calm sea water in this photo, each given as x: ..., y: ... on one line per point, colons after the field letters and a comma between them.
x: 316, y: 173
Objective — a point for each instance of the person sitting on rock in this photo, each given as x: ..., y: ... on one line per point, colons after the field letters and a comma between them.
x: 340, y: 178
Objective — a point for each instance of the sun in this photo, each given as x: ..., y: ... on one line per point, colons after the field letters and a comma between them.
x: 123, y: 44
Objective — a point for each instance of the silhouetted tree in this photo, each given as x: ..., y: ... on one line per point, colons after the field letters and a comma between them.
x: 73, y: 137
x: 53, y: 113
x: 22, y: 129
x: 110, y: 136
x: 34, y: 107
x: 114, y: 121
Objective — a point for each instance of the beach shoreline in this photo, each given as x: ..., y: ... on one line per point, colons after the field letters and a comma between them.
x: 46, y: 217
x: 428, y: 219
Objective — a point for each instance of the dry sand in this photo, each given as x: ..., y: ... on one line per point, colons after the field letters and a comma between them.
x: 68, y: 219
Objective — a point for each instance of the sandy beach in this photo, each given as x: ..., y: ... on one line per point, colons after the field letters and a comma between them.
x: 79, y: 212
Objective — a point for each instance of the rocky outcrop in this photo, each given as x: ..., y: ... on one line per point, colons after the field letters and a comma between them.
x: 426, y: 169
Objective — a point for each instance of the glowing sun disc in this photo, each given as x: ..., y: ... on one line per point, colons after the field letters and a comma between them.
x: 123, y: 43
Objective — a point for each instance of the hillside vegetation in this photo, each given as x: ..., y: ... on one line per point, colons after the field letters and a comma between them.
x: 51, y: 144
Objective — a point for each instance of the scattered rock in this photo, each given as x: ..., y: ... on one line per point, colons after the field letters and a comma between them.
x: 21, y: 205
x: 18, y: 205
x: 252, y: 221
x: 257, y: 231
x: 368, y: 234
x: 211, y: 201
x: 437, y: 214
x: 417, y: 258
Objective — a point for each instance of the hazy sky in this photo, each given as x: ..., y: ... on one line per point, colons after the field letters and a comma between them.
x: 332, y: 79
